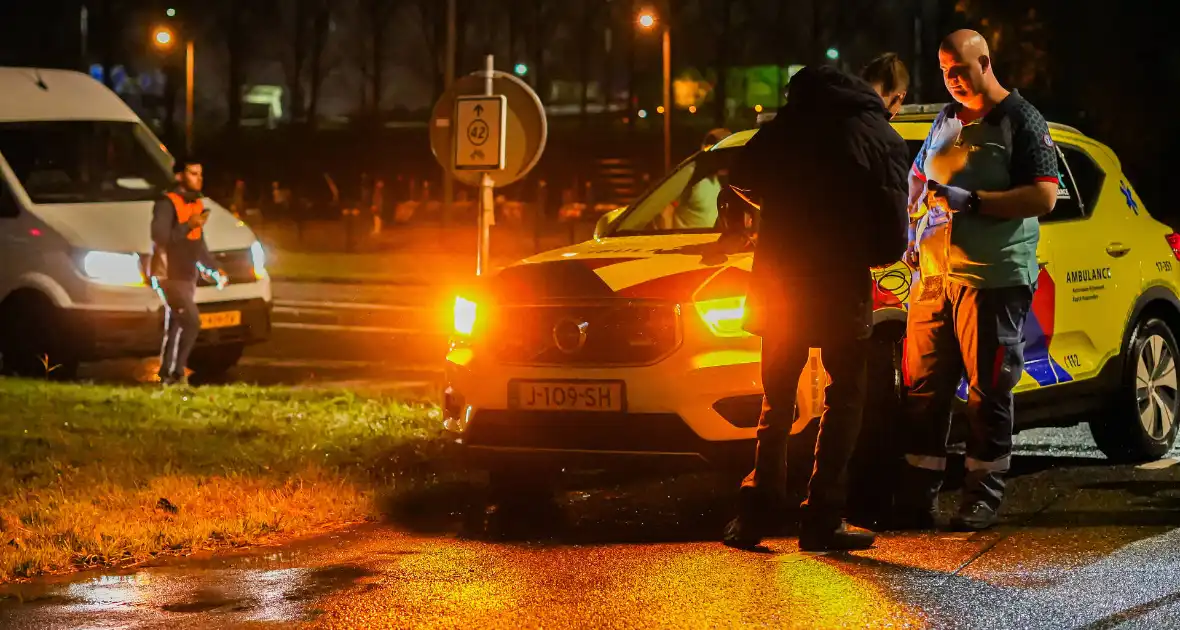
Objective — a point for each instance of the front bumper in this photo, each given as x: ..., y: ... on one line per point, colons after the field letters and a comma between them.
x: 97, y: 334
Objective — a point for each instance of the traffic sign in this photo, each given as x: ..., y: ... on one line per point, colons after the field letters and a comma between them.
x: 524, y: 131
x: 479, y: 145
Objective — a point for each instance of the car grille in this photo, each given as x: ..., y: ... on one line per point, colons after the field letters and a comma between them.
x: 614, y: 333
x: 238, y: 264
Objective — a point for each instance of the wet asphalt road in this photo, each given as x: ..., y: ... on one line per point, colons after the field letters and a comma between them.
x: 1083, y: 544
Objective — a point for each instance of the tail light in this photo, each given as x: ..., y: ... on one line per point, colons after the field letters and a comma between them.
x: 1174, y: 242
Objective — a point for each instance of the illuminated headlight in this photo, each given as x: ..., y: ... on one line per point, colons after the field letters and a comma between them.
x: 113, y: 268
x: 724, y: 316
x: 259, y: 257
x: 465, y: 311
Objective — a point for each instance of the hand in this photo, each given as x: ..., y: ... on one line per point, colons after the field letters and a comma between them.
x: 198, y: 221
x: 953, y: 198
x: 220, y: 277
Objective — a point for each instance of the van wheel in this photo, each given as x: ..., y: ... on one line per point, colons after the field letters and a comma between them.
x: 213, y: 362
x: 1140, y: 424
x: 875, y: 463
x: 33, y: 341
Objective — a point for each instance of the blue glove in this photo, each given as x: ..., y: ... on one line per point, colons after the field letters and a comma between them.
x: 956, y: 199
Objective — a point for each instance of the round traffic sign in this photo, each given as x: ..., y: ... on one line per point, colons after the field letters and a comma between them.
x: 526, y: 128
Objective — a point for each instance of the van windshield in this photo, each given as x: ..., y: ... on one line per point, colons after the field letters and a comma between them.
x: 85, y: 161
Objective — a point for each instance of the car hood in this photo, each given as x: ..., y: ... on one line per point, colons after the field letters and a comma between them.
x: 126, y: 226
x: 674, y: 267
x: 671, y: 267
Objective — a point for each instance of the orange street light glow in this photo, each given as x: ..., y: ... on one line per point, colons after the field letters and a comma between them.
x: 647, y: 20
x: 163, y: 37
x: 758, y: 108
x: 692, y: 109
x: 660, y: 109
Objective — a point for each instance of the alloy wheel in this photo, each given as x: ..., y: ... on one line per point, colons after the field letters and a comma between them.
x: 1156, y: 387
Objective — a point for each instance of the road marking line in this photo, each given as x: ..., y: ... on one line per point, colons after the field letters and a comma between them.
x: 1161, y: 464
x: 351, y: 306
x: 373, y: 330
x: 337, y: 364
x: 283, y: 310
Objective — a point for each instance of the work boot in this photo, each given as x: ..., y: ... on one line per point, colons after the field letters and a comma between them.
x: 916, y: 507
x: 743, y: 533
x: 974, y: 517
x: 821, y: 535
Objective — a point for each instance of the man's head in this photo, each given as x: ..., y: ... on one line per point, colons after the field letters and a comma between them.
x: 713, y: 137
x: 967, y: 67
x: 189, y: 174
x: 889, y: 77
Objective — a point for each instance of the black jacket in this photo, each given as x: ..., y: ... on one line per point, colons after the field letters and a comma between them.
x: 831, y: 176
x: 174, y: 256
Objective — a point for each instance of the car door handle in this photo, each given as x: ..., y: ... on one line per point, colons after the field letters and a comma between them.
x: 1117, y: 250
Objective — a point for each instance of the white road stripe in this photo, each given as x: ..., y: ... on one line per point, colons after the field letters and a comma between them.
x: 284, y: 310
x: 350, y: 306
x: 372, y: 330
x: 336, y: 364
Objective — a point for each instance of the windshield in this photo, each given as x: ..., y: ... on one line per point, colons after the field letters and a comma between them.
x: 685, y: 202
x: 85, y: 161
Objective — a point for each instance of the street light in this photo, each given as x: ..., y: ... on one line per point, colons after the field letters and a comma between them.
x: 647, y: 20
x: 833, y: 54
x: 164, y: 39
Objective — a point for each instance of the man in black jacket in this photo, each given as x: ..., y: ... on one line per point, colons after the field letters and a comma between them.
x: 179, y: 257
x: 831, y: 176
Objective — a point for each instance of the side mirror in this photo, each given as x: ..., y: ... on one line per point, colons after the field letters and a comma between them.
x: 605, y: 222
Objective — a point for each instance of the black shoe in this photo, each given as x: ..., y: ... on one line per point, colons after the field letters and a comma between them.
x: 841, y: 538
x: 742, y: 533
x: 903, y: 520
x: 974, y: 517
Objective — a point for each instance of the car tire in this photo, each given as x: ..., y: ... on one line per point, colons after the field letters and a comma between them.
x: 876, y: 462
x: 34, y: 341
x: 1140, y: 424
x: 214, y: 362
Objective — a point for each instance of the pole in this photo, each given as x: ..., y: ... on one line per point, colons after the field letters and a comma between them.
x: 487, y: 203
x: 188, y: 97
x: 667, y: 99
x: 449, y: 79
x: 84, y: 19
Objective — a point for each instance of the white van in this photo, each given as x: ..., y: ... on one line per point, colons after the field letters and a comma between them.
x: 79, y: 173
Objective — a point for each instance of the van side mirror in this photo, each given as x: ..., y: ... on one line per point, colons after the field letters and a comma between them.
x: 606, y: 222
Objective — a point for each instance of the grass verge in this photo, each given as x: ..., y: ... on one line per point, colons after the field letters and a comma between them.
x: 95, y: 475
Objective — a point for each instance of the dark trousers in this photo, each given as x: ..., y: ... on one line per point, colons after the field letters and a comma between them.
x: 980, y: 332
x: 783, y: 360
x: 182, y: 326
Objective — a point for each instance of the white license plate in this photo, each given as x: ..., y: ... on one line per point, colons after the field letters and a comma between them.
x: 224, y: 319
x: 566, y: 396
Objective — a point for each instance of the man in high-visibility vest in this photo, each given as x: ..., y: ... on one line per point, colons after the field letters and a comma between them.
x: 179, y: 257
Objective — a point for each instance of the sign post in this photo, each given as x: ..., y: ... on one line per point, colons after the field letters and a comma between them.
x: 488, y: 130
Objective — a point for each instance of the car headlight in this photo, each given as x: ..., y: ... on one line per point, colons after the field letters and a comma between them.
x: 113, y: 268
x: 465, y: 311
x: 259, y: 257
x: 724, y: 316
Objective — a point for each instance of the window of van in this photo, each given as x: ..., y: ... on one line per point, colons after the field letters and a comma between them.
x: 82, y: 161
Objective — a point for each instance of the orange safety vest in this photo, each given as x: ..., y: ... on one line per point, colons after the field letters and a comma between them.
x: 186, y: 210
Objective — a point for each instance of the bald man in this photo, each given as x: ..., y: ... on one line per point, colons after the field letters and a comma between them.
x: 987, y: 170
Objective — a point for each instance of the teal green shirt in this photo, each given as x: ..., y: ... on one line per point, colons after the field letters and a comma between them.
x: 1008, y: 148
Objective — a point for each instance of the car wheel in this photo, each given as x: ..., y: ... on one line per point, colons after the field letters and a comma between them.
x: 214, y: 362
x: 33, y: 342
x: 1140, y: 425
x: 876, y: 461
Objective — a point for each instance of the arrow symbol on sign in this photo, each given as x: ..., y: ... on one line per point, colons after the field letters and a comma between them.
x: 477, y: 155
x: 478, y: 110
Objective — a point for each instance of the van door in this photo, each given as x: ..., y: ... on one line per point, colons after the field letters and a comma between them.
x: 1095, y: 273
x: 13, y: 240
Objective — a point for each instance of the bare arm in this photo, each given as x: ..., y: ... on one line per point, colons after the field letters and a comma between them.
x: 1024, y: 202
